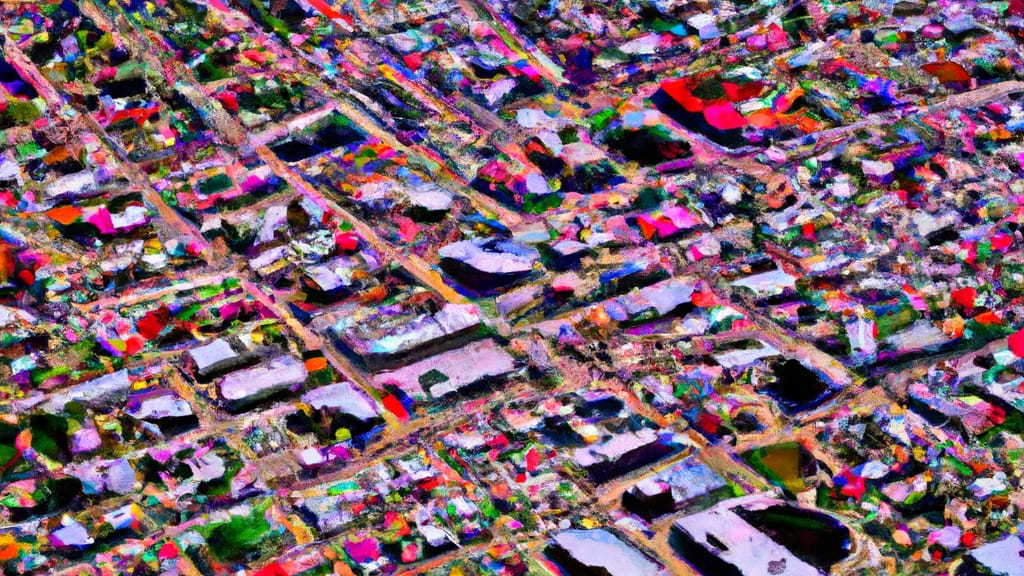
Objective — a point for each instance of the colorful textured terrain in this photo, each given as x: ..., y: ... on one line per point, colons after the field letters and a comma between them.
x: 511, y: 287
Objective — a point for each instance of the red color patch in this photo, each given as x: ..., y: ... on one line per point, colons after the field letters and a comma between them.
x: 703, y: 299
x: 229, y: 101
x: 724, y: 117
x: 740, y: 92
x: 153, y: 323
x: 1016, y: 343
x: 1001, y: 241
x: 680, y: 92
x: 947, y: 71
x: 532, y: 459
x: 708, y: 423
x: 346, y: 241
x: 964, y: 297
x: 168, y: 551
x: 133, y: 345
x: 325, y: 9
x: 274, y: 569
x: 414, y: 61
x: 393, y: 405
x: 854, y: 487
x: 808, y: 230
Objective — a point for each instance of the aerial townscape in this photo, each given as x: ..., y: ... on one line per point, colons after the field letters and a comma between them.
x: 512, y: 287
